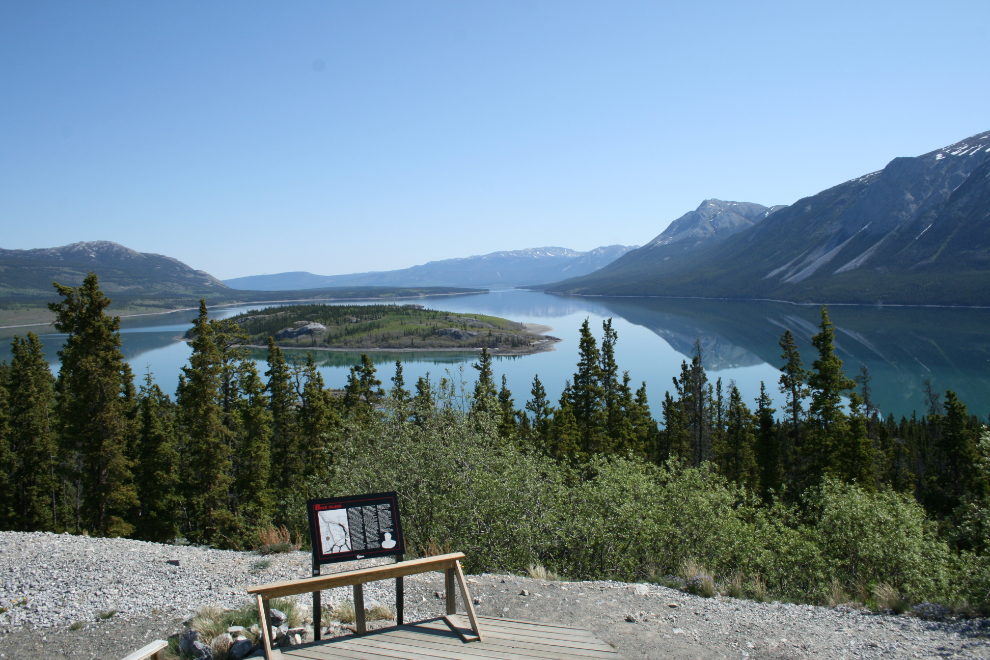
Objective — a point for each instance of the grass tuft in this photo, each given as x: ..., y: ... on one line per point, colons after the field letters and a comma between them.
x: 275, y: 540
x: 836, y: 594
x: 735, y: 587
x: 538, y: 572
x: 434, y: 548
x: 106, y: 614
x: 885, y: 597
x: 76, y: 626
x: 344, y: 612
x: 259, y: 566
x: 697, y: 580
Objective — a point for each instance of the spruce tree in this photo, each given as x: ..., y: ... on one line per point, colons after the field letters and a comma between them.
x: 734, y: 450
x: 207, y: 478
x: 485, y: 394
x: 565, y: 436
x: 363, y: 390
x: 424, y: 403
x: 95, y: 407
x: 319, y: 421
x: 157, y: 466
x: 287, y: 466
x: 587, y: 394
x: 827, y: 383
x: 399, y: 394
x: 253, y: 487
x: 32, y: 439
x: 507, y: 412
x: 8, y: 459
x: 769, y: 450
x: 539, y: 405
x: 792, y: 386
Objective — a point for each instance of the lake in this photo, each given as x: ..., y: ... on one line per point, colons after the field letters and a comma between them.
x: 899, y: 345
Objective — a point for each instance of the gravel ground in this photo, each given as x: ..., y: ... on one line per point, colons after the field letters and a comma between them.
x: 49, y: 582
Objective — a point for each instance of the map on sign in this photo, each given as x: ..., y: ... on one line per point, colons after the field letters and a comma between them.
x: 355, y: 527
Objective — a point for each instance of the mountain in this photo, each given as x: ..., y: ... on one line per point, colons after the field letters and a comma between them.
x: 915, y: 232
x: 510, y: 268
x: 29, y: 273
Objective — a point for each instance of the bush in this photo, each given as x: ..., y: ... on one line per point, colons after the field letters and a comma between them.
x: 274, y: 540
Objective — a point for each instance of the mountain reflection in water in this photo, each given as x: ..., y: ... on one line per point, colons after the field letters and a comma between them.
x: 900, y: 346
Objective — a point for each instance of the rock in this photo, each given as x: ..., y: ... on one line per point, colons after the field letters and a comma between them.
x: 202, y: 650
x: 677, y: 631
x: 235, y: 630
x: 523, y: 593
x: 631, y: 618
x: 223, y: 640
x: 307, y: 329
x: 438, y: 594
x: 641, y: 590
x: 477, y: 601
x: 672, y: 605
x: 454, y: 333
x: 278, y: 617
x: 174, y: 562
x: 240, y: 648
x: 187, y: 639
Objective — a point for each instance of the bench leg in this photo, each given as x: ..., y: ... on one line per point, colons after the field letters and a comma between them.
x: 359, y: 609
x: 468, y: 604
x: 451, y: 593
x: 265, y: 615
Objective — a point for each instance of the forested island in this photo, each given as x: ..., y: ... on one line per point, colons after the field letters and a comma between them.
x: 813, y: 499
x: 385, y: 327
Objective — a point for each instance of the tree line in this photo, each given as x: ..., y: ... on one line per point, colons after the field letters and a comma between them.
x: 235, y: 451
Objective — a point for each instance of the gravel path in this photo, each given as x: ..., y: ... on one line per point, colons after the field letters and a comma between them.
x: 49, y: 582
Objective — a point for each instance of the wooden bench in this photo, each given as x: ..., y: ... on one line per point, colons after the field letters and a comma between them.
x: 153, y: 651
x: 449, y: 563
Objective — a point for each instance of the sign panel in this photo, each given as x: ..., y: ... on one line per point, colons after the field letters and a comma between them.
x: 355, y: 527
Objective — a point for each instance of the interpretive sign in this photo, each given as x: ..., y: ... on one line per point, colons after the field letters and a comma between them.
x: 355, y: 527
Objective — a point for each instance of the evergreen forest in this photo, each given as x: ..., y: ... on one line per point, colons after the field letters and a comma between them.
x: 805, y: 494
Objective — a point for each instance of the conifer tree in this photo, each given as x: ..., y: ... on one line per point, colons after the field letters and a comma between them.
x: 485, y: 394
x: 207, y: 477
x: 954, y: 470
x: 616, y: 427
x: 769, y: 451
x: 644, y: 426
x: 8, y: 459
x: 255, y: 500
x: 565, y: 436
x: 424, y: 402
x: 95, y: 407
x: 735, y: 447
x: 792, y: 385
x: 587, y: 394
x: 854, y: 459
x: 363, y: 390
x: 676, y: 440
x: 157, y: 467
x: 32, y: 438
x: 539, y: 405
x: 826, y: 382
x: 287, y: 467
x: 398, y: 393
x: 507, y: 425
x: 319, y: 420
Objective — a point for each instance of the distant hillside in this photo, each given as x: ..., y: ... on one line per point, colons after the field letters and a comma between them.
x: 138, y: 282
x: 916, y: 232
x: 30, y: 273
x: 511, y: 268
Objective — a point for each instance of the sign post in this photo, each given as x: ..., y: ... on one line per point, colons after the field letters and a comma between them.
x: 351, y: 528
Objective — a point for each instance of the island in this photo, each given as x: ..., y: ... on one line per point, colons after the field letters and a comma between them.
x: 390, y: 327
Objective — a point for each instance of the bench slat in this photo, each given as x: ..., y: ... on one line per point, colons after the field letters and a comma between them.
x: 152, y: 650
x: 359, y: 576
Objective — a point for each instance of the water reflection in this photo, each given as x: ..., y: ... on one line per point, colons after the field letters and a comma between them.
x: 899, y: 346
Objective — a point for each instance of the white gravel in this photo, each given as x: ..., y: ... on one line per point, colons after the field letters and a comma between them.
x: 49, y: 580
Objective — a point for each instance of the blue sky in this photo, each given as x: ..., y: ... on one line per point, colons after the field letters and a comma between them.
x: 333, y: 137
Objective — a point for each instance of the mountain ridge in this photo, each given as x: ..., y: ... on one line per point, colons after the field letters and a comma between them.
x: 503, y: 268
x: 915, y: 232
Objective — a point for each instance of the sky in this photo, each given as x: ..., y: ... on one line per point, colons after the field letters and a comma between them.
x: 335, y: 137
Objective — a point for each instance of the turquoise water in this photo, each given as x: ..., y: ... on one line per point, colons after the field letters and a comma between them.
x: 900, y: 346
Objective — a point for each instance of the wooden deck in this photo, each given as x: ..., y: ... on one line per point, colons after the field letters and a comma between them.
x: 505, y: 639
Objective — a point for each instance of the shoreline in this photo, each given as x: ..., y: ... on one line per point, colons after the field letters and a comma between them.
x: 260, y: 302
